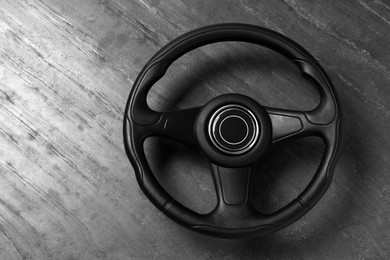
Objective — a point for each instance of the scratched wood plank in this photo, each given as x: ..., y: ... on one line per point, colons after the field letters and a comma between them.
x: 67, y: 190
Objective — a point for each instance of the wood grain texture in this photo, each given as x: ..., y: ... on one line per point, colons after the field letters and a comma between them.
x: 67, y: 189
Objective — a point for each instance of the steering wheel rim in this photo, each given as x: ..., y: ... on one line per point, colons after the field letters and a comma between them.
x: 234, y: 217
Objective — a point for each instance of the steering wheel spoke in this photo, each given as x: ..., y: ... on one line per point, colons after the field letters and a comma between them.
x: 231, y: 184
x: 291, y: 124
x: 234, y: 209
x: 177, y: 126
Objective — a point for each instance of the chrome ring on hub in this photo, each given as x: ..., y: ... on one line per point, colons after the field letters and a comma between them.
x: 249, y: 138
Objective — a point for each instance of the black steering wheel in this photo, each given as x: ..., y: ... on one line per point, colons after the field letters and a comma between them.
x: 232, y: 131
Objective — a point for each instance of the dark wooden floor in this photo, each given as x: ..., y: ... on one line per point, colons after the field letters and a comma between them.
x: 67, y: 190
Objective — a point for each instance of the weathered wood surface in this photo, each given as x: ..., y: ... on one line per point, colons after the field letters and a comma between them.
x: 67, y: 190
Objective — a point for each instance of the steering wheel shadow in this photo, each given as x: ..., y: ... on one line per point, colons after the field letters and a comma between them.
x: 313, y: 227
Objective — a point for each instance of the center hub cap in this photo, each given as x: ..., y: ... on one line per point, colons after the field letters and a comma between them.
x: 233, y: 129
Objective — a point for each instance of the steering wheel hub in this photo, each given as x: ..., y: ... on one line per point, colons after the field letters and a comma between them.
x: 233, y: 129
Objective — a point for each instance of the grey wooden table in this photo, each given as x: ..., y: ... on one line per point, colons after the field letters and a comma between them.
x: 67, y: 189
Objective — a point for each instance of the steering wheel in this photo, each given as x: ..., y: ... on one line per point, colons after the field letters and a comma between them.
x: 232, y: 131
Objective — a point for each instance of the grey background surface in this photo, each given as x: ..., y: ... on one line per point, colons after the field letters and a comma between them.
x: 67, y: 190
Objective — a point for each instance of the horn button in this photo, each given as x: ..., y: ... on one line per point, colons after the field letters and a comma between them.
x: 233, y: 129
